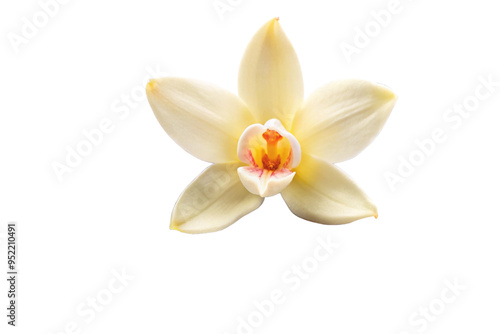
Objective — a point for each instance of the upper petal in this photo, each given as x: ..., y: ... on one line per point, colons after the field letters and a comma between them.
x: 203, y: 119
x: 322, y: 193
x: 341, y: 118
x: 213, y: 201
x: 270, y: 79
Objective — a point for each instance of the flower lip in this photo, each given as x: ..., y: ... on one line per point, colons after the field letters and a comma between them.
x: 265, y: 183
x: 271, y: 153
x: 253, y: 140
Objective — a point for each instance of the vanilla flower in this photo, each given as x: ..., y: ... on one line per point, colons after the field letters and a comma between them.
x: 269, y: 140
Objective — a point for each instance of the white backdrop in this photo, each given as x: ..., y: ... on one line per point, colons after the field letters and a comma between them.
x: 95, y: 251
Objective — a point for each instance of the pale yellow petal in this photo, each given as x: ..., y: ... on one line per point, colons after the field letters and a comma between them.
x: 203, y: 119
x: 270, y: 78
x: 322, y: 193
x: 213, y: 201
x: 341, y: 118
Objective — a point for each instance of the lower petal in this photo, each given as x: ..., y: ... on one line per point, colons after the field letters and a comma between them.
x: 322, y: 193
x: 213, y: 201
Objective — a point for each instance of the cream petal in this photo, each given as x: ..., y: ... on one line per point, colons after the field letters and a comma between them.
x: 341, y: 118
x: 322, y: 193
x: 270, y: 78
x: 203, y: 119
x: 213, y: 201
x: 263, y: 182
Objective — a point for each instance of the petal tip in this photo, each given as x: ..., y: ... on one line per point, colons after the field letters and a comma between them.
x: 152, y: 85
x: 387, y: 93
x: 174, y: 226
x: 177, y: 227
x: 273, y: 26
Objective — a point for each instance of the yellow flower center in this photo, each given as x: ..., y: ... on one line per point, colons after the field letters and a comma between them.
x: 270, y: 150
x: 271, y: 160
x: 271, y: 153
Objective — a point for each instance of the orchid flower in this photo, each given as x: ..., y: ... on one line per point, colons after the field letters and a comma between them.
x: 269, y: 140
